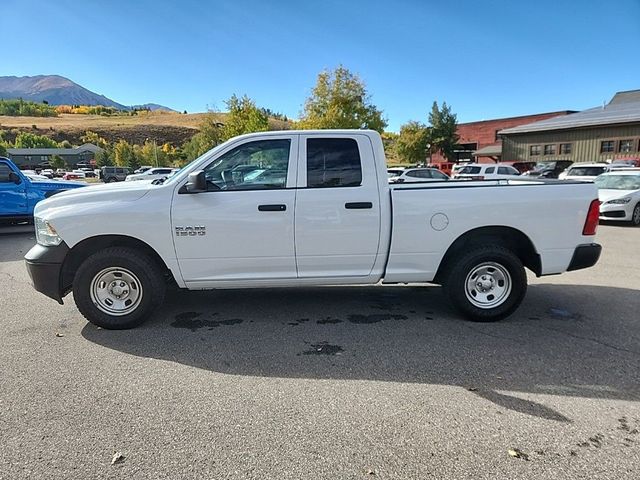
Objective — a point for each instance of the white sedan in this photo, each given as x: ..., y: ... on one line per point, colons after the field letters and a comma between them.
x: 584, y: 172
x: 619, y: 194
x: 416, y: 175
x: 151, y: 174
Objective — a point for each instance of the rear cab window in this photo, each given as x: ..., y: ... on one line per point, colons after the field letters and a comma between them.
x: 333, y: 162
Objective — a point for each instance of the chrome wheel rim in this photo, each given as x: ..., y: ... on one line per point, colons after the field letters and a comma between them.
x: 116, y: 291
x: 488, y: 285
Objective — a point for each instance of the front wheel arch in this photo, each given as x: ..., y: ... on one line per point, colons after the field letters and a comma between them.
x: 87, y: 247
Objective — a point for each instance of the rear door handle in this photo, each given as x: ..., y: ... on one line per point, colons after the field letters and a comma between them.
x: 272, y: 208
x: 358, y: 205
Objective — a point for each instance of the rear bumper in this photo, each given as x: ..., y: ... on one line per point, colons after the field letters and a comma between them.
x: 585, y: 256
x: 44, y: 265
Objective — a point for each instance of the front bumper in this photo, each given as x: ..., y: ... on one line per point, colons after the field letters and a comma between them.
x: 612, y: 211
x: 44, y: 265
x: 585, y: 256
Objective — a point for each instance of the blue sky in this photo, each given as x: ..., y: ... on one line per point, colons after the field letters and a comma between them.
x: 487, y: 59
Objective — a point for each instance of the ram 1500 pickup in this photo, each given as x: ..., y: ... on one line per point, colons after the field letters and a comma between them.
x: 19, y: 193
x: 300, y: 208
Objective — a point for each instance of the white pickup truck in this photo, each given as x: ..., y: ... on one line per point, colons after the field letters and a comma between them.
x: 300, y: 208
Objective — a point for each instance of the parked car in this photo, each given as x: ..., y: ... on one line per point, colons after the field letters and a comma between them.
x: 19, y: 193
x: 75, y: 175
x: 549, y: 169
x: 456, y: 167
x: 419, y: 175
x: 88, y: 172
x: 619, y: 194
x: 325, y: 215
x: 114, y: 174
x: 625, y: 162
x: 143, y: 169
x: 47, y: 172
x: 522, y: 167
x: 59, y: 172
x: 487, y: 171
x: 394, y: 172
x: 586, y: 172
x: 151, y: 174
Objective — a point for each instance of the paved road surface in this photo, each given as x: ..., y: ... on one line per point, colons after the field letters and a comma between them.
x: 327, y: 383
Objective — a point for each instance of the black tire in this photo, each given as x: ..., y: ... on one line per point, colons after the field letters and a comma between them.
x: 148, y: 281
x: 635, y: 216
x: 109, y: 180
x: 503, y: 261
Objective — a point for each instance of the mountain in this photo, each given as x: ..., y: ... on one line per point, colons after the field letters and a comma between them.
x: 153, y: 107
x: 54, y: 89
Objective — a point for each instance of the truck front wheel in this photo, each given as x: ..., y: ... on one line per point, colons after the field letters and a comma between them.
x: 486, y: 284
x: 118, y: 288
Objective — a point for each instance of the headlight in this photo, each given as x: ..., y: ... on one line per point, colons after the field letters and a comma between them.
x: 620, y: 201
x: 46, y: 235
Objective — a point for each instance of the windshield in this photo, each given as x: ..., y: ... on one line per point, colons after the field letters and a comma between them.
x: 618, y: 182
x: 472, y: 170
x: 585, y: 171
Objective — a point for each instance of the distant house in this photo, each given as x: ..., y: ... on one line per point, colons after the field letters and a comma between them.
x: 30, y: 158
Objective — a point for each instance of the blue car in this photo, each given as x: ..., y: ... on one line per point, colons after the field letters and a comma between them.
x: 19, y: 193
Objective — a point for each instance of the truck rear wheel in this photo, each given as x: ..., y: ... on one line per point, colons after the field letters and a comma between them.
x: 486, y: 284
x: 118, y: 288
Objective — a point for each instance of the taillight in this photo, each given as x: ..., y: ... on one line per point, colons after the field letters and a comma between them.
x: 591, y: 224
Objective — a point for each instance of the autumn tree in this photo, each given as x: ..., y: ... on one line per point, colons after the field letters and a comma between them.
x: 443, y: 135
x: 340, y: 100
x: 243, y: 117
x: 413, y: 142
x: 125, y: 155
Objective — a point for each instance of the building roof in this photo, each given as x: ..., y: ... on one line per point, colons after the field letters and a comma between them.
x: 489, y: 151
x: 624, y: 107
x: 46, y: 151
x: 87, y: 147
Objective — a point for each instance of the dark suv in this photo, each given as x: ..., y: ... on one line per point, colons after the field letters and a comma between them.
x: 113, y: 174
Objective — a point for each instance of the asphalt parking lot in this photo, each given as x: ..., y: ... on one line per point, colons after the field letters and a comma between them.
x: 378, y: 382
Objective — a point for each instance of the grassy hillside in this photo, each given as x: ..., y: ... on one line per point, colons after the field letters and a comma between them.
x: 172, y: 127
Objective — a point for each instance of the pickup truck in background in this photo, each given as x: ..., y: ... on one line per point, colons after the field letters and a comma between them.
x: 301, y: 208
x: 19, y: 193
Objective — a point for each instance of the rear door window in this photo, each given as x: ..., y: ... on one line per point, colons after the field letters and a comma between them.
x: 333, y: 162
x: 4, y: 173
x: 491, y: 170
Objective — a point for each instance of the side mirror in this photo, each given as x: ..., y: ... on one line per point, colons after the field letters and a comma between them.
x: 196, y: 182
x: 13, y: 177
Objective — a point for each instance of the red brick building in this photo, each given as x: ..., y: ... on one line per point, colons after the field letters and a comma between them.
x: 479, y: 140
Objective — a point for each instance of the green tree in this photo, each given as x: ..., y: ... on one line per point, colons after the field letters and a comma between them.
x: 104, y: 158
x: 412, y: 143
x: 3, y: 149
x: 442, y: 132
x: 31, y: 140
x: 340, y: 100
x: 243, y: 117
x: 57, y: 162
x: 209, y: 136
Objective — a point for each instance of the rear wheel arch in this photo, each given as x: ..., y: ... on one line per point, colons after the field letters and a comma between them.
x: 87, y: 247
x: 507, y: 237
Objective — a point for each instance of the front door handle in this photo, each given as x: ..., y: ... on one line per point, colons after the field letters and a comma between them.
x: 272, y: 208
x: 358, y: 205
